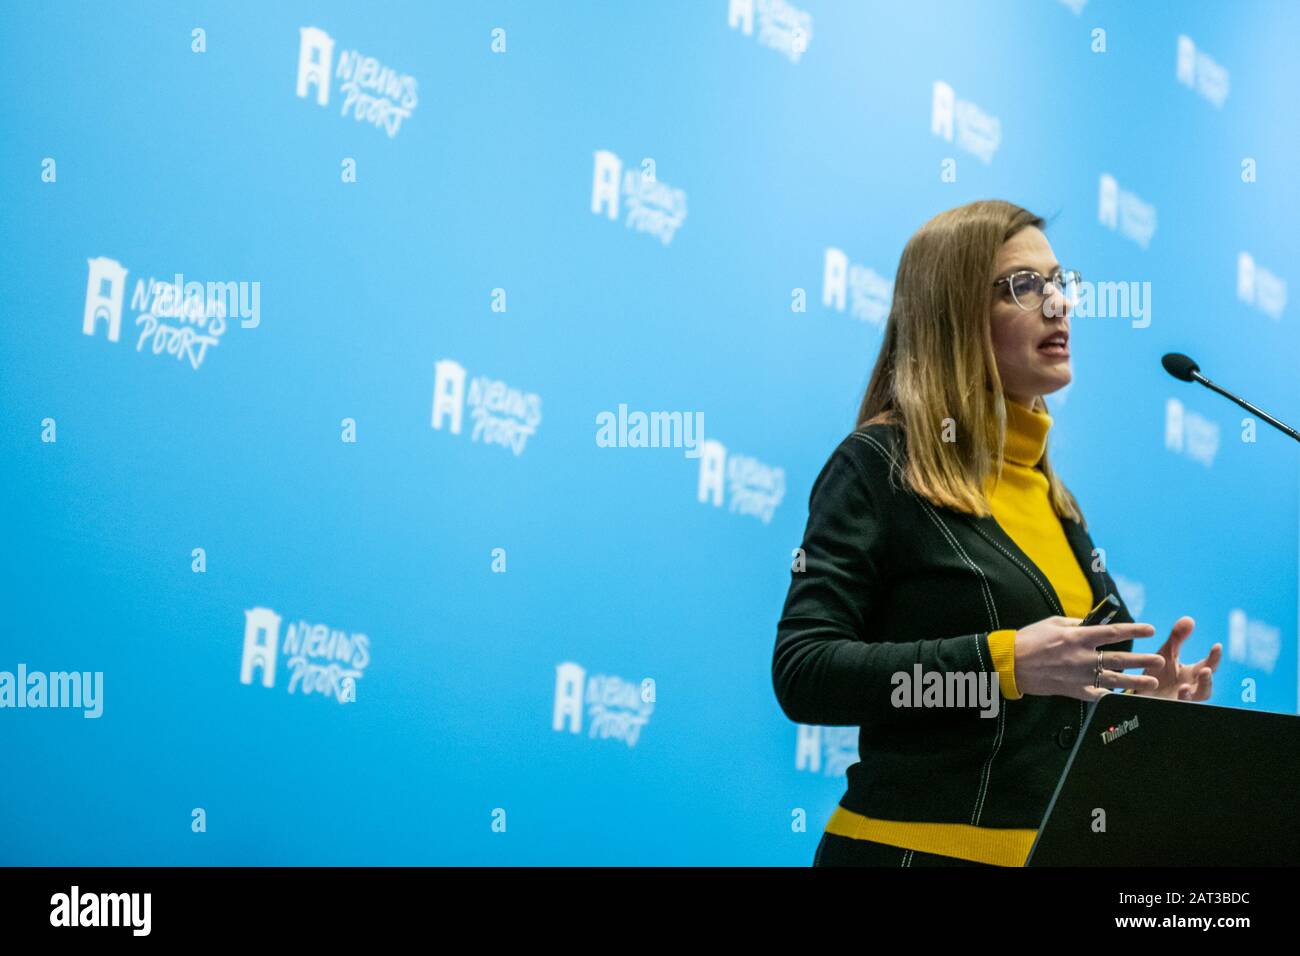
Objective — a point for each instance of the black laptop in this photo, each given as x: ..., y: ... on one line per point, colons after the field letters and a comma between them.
x: 1175, y: 783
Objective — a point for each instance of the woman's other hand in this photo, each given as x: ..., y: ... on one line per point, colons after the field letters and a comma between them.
x: 1183, y: 681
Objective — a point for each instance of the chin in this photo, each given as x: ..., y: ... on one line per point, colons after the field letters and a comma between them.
x: 1055, y: 383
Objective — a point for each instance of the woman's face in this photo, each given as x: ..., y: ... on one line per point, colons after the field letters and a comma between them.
x: 1031, y: 345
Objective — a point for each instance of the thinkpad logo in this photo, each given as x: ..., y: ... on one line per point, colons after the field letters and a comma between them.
x: 1115, y: 731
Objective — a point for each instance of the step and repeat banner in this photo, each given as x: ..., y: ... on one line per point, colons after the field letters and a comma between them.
x: 409, y: 410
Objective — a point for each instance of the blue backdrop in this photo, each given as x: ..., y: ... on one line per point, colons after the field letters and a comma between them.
x: 458, y: 236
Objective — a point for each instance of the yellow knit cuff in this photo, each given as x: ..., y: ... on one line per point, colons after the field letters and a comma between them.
x: 1002, y: 645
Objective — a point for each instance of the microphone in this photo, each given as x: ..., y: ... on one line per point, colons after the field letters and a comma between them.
x: 1181, y: 367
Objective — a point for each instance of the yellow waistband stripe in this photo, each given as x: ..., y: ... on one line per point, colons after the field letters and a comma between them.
x: 980, y: 844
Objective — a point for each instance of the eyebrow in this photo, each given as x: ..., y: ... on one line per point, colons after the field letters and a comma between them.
x: 1020, y: 268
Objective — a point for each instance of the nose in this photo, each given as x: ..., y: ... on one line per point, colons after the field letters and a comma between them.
x: 1055, y: 304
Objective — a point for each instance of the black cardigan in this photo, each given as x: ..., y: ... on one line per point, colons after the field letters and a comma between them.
x: 892, y: 580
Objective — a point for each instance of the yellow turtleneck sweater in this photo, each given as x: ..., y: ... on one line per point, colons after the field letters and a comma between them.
x: 1021, y: 506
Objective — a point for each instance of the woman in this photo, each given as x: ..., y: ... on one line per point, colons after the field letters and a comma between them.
x: 940, y: 540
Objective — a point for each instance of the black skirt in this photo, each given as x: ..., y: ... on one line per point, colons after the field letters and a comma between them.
x: 836, y: 850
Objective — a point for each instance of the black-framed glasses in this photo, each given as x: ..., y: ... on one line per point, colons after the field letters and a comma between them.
x: 1028, y: 289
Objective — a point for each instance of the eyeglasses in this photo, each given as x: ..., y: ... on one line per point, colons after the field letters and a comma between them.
x: 1028, y: 289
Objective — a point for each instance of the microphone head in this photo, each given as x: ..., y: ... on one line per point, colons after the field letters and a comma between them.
x: 1179, y: 365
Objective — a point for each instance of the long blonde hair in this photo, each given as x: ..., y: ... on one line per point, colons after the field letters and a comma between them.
x: 936, y: 374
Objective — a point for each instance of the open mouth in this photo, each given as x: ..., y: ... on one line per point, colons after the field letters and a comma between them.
x: 1057, y: 344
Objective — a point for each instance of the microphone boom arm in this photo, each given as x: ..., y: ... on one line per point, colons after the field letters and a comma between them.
x: 1246, y: 405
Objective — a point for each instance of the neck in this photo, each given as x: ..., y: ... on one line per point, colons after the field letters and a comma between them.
x: 1026, y: 438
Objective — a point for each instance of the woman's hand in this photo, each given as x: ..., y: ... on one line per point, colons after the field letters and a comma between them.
x: 1182, y: 681
x: 1056, y: 657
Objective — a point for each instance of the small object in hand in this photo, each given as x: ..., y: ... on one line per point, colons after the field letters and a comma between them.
x: 1103, y: 613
